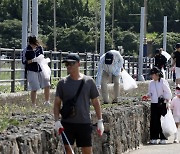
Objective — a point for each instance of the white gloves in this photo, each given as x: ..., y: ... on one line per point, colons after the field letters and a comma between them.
x: 100, y: 127
x: 58, y: 127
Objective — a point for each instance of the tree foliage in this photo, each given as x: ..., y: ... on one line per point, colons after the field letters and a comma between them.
x: 76, y: 26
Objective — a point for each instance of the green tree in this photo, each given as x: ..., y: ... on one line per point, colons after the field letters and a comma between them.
x: 10, y: 33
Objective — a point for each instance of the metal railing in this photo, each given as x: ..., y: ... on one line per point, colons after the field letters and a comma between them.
x: 12, y: 70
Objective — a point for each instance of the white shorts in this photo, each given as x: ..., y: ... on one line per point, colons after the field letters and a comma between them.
x: 176, y: 118
x: 36, y: 80
x: 177, y: 71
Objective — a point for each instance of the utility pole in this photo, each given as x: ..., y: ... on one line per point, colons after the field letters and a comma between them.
x: 140, y: 60
x: 55, y: 32
x: 24, y: 23
x: 112, y: 45
x: 102, y: 33
x: 35, y: 17
x: 145, y: 30
x: 165, y: 33
x: 96, y: 28
x: 30, y: 18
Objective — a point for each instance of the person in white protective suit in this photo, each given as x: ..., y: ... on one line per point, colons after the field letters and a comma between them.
x: 109, y: 68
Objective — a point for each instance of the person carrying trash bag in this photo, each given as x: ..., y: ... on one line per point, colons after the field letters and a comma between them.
x: 74, y: 94
x: 109, y: 68
x: 160, y: 94
x: 160, y: 61
x: 35, y: 76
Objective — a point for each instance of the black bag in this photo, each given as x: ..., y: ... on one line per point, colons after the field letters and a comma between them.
x: 162, y: 106
x: 160, y: 101
x: 68, y: 108
x: 108, y: 58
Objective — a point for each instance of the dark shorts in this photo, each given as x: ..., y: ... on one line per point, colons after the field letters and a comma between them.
x: 81, y: 133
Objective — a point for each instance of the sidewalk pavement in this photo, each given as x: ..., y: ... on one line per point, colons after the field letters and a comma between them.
x: 169, y: 148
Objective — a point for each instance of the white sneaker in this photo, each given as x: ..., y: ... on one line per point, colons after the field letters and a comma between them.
x: 162, y: 142
x: 176, y: 141
x: 153, y: 141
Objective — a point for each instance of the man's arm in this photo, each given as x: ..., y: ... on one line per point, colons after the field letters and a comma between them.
x: 57, y: 106
x: 173, y: 59
x: 97, y: 107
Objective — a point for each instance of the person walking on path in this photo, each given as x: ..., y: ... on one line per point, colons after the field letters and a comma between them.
x: 176, y: 62
x: 159, y: 92
x: 78, y: 127
x: 175, y: 107
x: 109, y: 68
x: 160, y: 61
x: 35, y: 76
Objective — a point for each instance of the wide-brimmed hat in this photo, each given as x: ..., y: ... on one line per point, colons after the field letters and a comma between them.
x: 72, y: 57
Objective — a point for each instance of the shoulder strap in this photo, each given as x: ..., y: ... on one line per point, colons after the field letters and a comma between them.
x: 78, y: 92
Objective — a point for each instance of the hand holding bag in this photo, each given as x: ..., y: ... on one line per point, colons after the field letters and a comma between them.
x: 68, y: 108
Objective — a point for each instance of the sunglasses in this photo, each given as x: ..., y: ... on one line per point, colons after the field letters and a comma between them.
x: 69, y: 63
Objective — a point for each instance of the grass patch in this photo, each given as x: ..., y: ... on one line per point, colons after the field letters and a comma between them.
x: 8, y: 113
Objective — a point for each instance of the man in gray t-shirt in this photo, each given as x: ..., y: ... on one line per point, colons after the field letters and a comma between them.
x: 77, y: 128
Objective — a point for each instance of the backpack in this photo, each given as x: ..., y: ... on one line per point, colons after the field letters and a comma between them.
x: 109, y: 58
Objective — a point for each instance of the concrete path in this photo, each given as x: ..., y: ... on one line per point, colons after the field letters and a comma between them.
x: 169, y: 148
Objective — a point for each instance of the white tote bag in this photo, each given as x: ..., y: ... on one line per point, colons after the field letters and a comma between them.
x: 168, y: 124
x: 128, y: 81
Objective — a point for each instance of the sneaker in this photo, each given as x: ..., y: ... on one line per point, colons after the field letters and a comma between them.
x: 153, y: 142
x: 162, y: 142
x: 176, y: 141
x: 47, y: 103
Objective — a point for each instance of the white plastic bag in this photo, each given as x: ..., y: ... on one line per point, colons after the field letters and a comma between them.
x: 128, y: 81
x: 167, y: 55
x: 168, y: 124
x: 164, y: 73
x: 43, y: 62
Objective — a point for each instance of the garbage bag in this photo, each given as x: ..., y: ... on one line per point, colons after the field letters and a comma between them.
x: 167, y: 55
x: 128, y: 81
x: 43, y: 62
x: 168, y: 124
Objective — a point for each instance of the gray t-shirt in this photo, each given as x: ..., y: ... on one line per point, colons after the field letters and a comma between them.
x: 67, y: 89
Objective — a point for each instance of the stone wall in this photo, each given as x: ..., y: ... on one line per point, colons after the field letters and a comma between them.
x: 126, y: 127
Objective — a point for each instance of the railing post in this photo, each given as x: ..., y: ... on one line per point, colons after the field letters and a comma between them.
x: 93, y: 65
x: 55, y: 64
x: 60, y: 64
x: 13, y: 65
x: 85, y: 64
x: 50, y: 56
x: 128, y: 64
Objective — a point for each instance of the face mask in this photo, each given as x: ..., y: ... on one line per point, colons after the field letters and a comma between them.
x: 177, y: 92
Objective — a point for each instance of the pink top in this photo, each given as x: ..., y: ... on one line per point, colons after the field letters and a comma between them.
x: 175, y: 106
